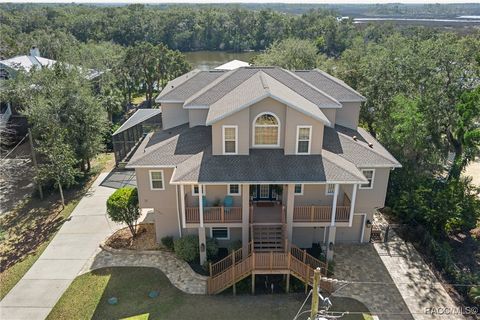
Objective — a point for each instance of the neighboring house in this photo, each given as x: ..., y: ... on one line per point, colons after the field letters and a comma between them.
x: 232, y: 65
x: 9, y: 68
x: 262, y: 156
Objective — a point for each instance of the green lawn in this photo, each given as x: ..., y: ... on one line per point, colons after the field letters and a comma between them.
x: 87, y: 298
x: 29, y: 228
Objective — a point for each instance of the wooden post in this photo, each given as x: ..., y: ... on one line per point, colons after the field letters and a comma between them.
x: 271, y: 260
x: 316, y: 282
x: 233, y: 274
x: 287, y: 287
x: 306, y: 279
x: 253, y: 283
x: 311, y: 213
x: 222, y: 214
x: 35, y: 164
x: 304, y: 255
x: 210, y: 268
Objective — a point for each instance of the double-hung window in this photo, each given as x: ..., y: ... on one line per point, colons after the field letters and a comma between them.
x: 195, y: 190
x: 298, y: 189
x: 370, y: 175
x: 233, y: 189
x: 230, y: 136
x: 156, y: 180
x: 330, y: 189
x: 304, y: 137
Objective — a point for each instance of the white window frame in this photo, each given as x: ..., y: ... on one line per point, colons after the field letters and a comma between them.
x: 309, y: 139
x: 151, y: 181
x: 195, y: 194
x: 373, y: 180
x: 223, y: 139
x: 326, y: 189
x: 301, y: 191
x: 234, y: 194
x: 228, y: 233
x: 279, y: 125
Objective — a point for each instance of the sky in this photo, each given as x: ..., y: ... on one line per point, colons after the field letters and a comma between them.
x: 244, y: 1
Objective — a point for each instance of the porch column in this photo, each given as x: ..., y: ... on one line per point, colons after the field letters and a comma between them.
x: 202, y: 241
x: 352, y: 204
x: 182, y: 205
x: 334, y: 204
x: 332, y: 231
x: 290, y: 206
x: 245, y: 218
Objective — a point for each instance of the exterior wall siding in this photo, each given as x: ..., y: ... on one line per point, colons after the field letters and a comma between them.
x: 240, y: 119
x: 331, y: 115
x: 294, y: 119
x: 197, y: 117
x: 162, y: 201
x: 348, y: 115
x: 173, y: 115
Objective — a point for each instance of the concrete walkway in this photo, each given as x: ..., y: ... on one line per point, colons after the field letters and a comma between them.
x: 40, y: 288
x: 420, y: 289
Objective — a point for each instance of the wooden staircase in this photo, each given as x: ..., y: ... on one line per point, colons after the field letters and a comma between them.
x: 268, y: 238
x: 237, y: 266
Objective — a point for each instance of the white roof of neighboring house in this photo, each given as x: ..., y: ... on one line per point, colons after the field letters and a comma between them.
x: 234, y: 64
x: 27, y: 62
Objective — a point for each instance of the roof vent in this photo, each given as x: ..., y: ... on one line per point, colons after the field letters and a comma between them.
x: 370, y: 145
x: 355, y: 138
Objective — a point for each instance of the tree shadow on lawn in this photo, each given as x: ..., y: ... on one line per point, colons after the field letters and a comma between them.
x: 131, y: 287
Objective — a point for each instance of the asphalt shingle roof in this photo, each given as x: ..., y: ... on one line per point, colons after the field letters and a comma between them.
x: 181, y: 88
x: 189, y: 150
x: 331, y: 85
x: 256, y: 88
x: 340, y: 141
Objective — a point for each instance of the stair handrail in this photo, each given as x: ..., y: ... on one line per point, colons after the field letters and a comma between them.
x: 225, y: 263
x: 307, y: 256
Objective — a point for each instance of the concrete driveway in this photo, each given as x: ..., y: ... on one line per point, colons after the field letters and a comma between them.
x: 39, y: 290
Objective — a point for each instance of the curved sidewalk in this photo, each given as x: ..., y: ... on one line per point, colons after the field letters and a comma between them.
x: 40, y: 288
x: 177, y: 271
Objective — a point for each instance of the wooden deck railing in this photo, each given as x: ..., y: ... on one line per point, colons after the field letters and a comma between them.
x: 320, y: 214
x: 235, y: 267
x: 214, y: 215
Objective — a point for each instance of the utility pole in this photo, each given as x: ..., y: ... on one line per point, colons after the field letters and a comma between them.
x: 315, y: 290
x: 34, y: 160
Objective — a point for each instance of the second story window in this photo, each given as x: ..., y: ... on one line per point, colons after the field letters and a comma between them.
x: 304, y: 135
x: 370, y: 175
x: 230, y: 139
x: 156, y: 180
x: 298, y: 189
x: 266, y: 130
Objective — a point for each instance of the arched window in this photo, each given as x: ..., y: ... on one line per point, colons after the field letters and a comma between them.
x: 266, y: 130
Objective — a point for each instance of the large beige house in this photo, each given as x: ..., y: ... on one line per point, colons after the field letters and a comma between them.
x: 262, y: 156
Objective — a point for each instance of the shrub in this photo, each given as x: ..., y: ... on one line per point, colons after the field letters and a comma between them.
x: 122, y: 206
x: 168, y: 242
x: 234, y: 246
x: 212, y: 248
x: 187, y: 248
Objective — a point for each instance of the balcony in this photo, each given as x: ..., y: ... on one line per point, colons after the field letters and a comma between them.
x: 320, y: 214
x: 214, y: 215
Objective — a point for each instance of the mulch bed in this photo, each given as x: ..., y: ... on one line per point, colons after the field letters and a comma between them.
x: 145, y: 238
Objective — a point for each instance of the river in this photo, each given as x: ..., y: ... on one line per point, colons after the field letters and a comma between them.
x: 205, y: 60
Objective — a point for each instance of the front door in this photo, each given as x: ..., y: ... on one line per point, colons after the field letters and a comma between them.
x: 263, y: 192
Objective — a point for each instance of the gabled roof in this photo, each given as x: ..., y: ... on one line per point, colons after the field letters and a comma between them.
x: 335, y: 87
x: 256, y: 88
x: 139, y: 116
x: 223, y: 85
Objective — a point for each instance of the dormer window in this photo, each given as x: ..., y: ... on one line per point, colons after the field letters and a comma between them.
x: 266, y: 127
x: 230, y: 142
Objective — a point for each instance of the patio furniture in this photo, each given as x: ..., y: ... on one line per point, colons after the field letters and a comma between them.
x: 228, y: 203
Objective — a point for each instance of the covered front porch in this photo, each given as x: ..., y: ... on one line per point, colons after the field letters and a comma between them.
x: 286, y: 205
